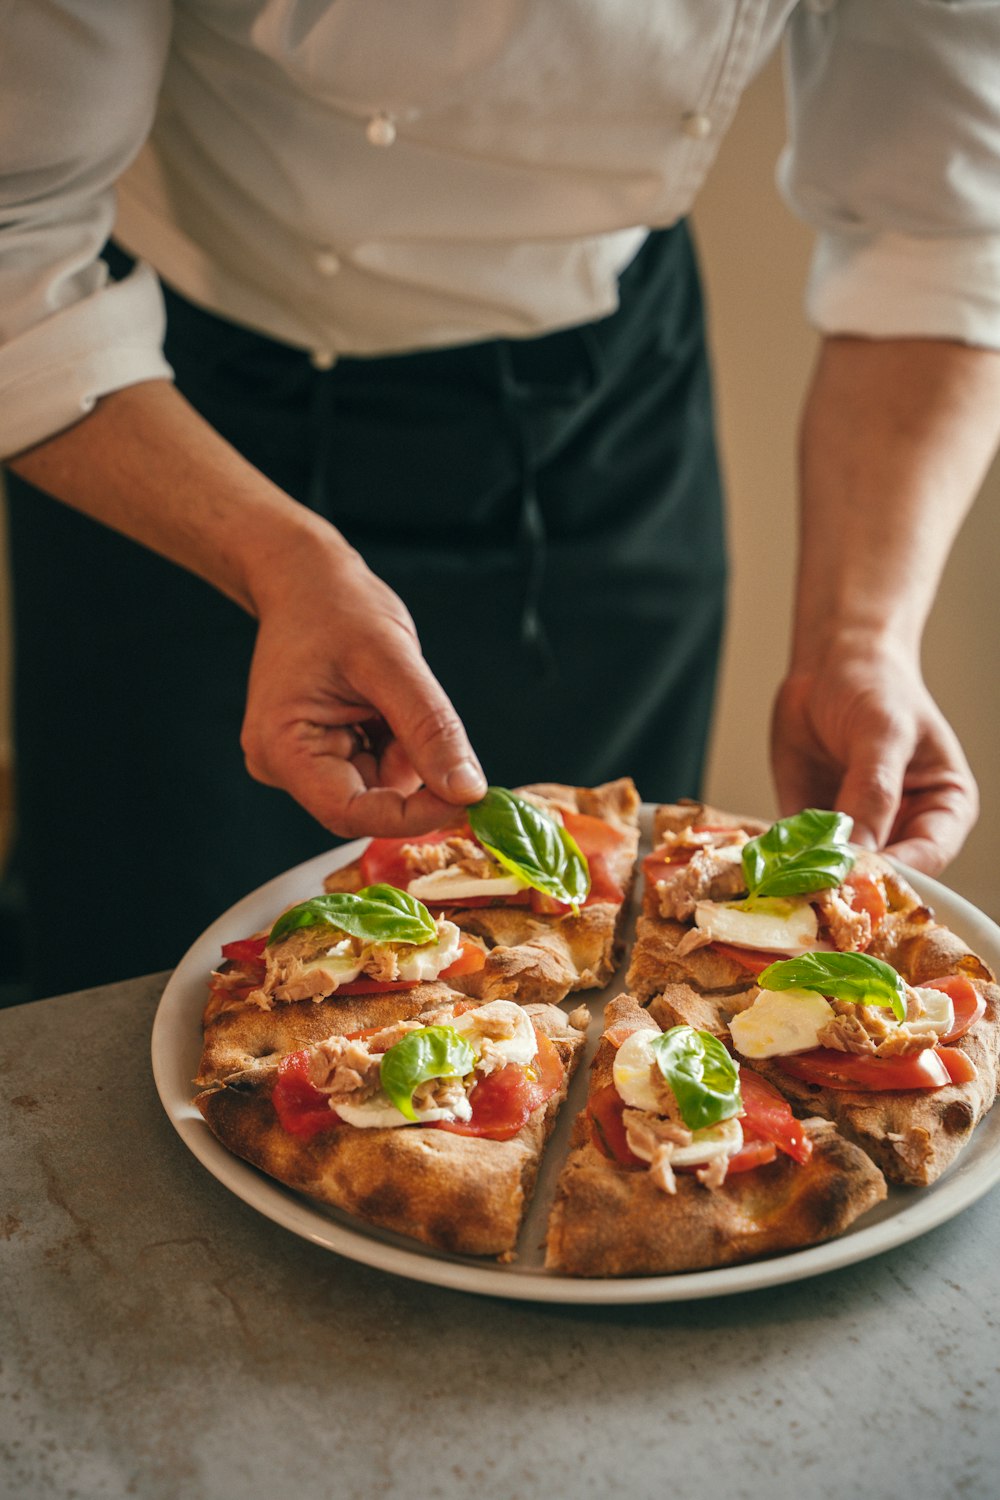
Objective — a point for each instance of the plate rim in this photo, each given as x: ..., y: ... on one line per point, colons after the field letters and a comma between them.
x: 178, y: 1015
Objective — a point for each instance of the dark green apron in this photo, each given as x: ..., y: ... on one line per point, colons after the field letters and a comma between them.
x: 548, y: 509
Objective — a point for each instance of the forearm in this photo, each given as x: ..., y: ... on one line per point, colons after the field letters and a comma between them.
x: 145, y: 463
x: 335, y: 647
x: 896, y: 438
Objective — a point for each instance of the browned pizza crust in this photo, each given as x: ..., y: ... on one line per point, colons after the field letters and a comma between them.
x: 611, y: 1220
x: 246, y: 1036
x: 537, y: 958
x: 460, y: 1194
x: 659, y: 955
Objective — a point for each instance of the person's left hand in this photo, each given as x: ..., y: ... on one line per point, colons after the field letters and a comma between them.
x: 864, y: 736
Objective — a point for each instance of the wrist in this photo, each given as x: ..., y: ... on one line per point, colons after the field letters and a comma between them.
x: 288, y: 548
x: 838, y: 641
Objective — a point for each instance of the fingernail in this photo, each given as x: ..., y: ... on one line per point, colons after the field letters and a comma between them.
x: 467, y: 781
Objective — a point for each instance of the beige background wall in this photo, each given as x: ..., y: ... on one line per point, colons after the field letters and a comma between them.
x: 755, y: 256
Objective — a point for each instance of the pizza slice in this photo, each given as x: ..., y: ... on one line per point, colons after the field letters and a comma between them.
x: 685, y: 1161
x: 724, y: 896
x: 905, y: 1063
x: 431, y: 1125
x: 334, y: 963
x: 539, y: 876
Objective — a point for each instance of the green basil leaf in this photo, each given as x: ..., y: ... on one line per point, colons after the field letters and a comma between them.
x: 856, y: 977
x: 703, y: 1076
x: 377, y: 914
x: 807, y: 852
x: 531, y: 844
x: 431, y: 1052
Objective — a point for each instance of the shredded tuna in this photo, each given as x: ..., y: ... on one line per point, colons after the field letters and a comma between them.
x: 499, y: 1028
x: 871, y: 1030
x: 441, y: 1093
x: 344, y: 1069
x: 845, y: 1034
x: 660, y: 1170
x: 713, y: 1174
x: 904, y: 1042
x: 381, y: 961
x: 491, y: 1059
x: 849, y: 931
x: 451, y: 853
x: 693, y: 939
x: 682, y: 839
x: 382, y: 1040
x: 708, y: 875
x: 649, y: 1131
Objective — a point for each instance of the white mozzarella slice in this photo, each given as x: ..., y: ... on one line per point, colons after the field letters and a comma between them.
x: 783, y: 926
x: 379, y: 1112
x: 633, y: 1071
x: 521, y: 1047
x: 724, y: 1139
x: 341, y: 961
x: 428, y: 960
x: 779, y: 1023
x: 938, y: 1011
x: 453, y: 884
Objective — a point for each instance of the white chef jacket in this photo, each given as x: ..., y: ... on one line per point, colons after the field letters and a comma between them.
x: 369, y: 176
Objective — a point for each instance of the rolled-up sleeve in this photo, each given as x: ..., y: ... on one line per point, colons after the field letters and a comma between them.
x: 78, y: 87
x: 894, y: 157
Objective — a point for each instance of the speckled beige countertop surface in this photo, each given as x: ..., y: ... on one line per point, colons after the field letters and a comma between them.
x: 161, y: 1339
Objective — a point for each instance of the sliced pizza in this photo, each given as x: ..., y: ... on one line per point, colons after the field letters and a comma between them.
x: 431, y: 1125
x: 685, y: 1161
x: 540, y: 876
x: 905, y: 1066
x: 334, y: 963
x: 725, y: 896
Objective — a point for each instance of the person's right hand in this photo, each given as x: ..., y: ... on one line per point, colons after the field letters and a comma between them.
x: 342, y: 710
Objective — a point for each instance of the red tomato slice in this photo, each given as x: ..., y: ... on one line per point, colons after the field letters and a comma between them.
x: 593, y: 835
x: 768, y: 1116
x: 301, y: 1108
x: 969, y: 1004
x: 755, y: 960
x: 655, y: 867
x: 863, y: 893
x: 847, y: 1070
x: 959, y: 1067
x: 470, y: 960
x: 369, y: 986
x: 245, y: 950
x: 607, y: 1129
x: 382, y: 863
x: 504, y: 1101
x: 754, y: 1152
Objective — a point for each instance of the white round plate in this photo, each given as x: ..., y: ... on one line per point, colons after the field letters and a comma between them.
x: 176, y: 1048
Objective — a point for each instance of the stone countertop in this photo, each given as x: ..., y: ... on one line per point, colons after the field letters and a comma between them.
x: 161, y: 1339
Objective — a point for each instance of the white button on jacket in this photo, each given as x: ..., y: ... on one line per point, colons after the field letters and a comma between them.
x: 532, y: 145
